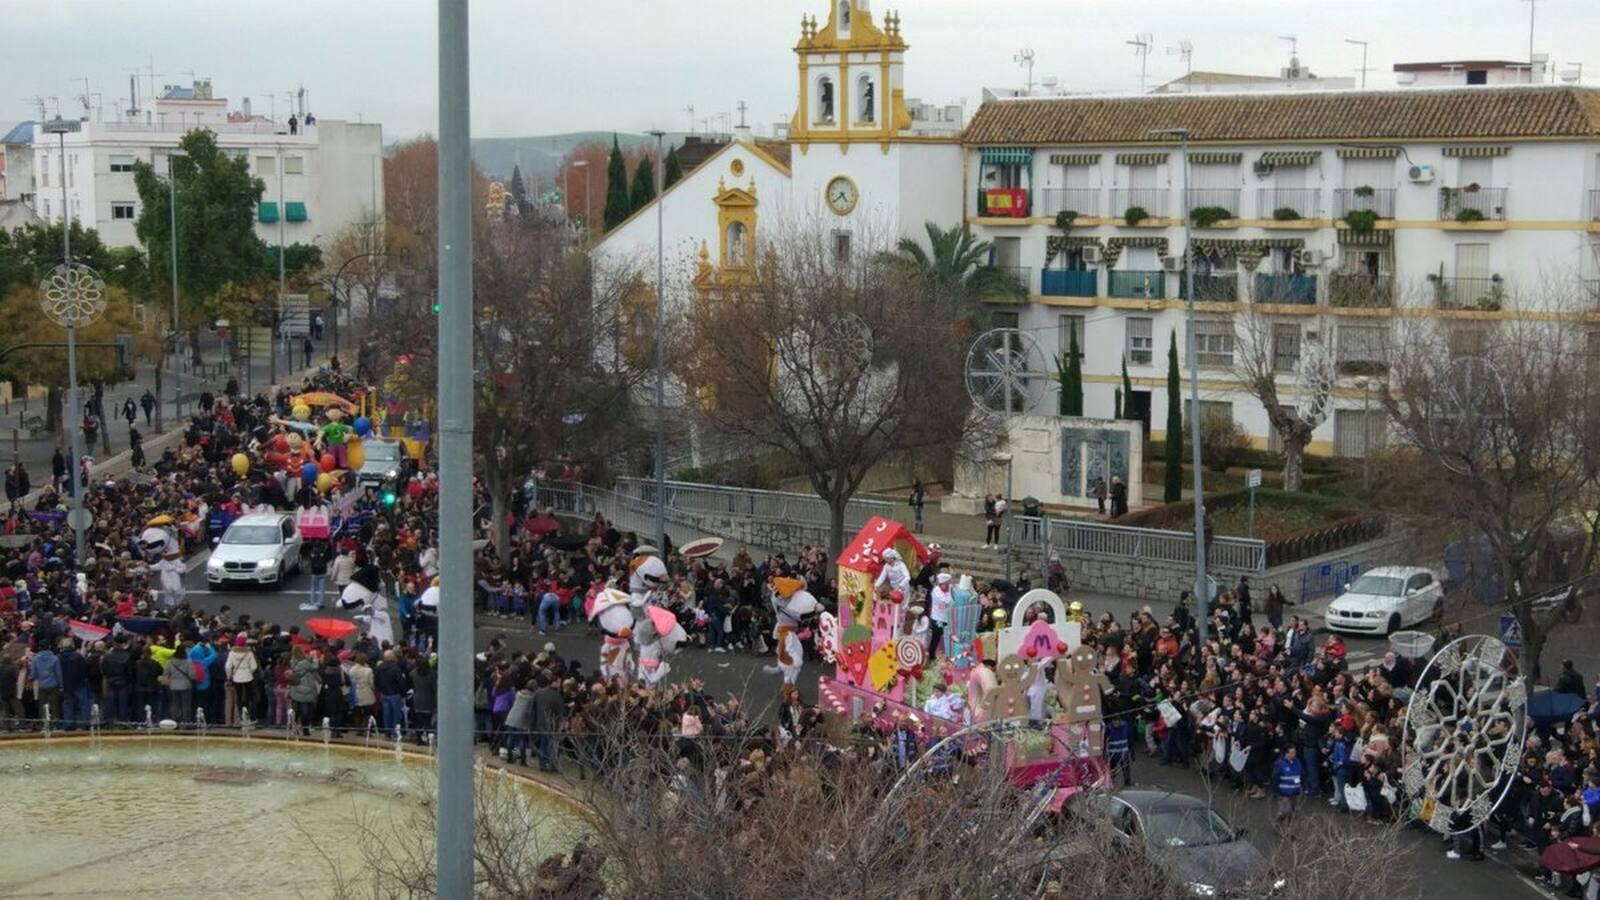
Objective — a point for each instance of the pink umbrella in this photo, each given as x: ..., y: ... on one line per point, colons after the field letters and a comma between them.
x: 87, y: 632
x: 542, y: 525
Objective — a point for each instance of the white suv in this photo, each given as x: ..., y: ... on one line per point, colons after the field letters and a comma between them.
x: 1385, y: 600
x: 260, y: 549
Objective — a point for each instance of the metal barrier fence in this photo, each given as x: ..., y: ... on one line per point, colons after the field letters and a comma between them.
x: 1329, y: 578
x: 747, y: 503
x: 1040, y: 535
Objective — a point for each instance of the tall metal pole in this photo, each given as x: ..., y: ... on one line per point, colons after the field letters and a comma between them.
x: 455, y: 817
x: 661, y: 370
x: 277, y: 319
x: 172, y: 209
x: 1202, y: 600
x: 73, y: 419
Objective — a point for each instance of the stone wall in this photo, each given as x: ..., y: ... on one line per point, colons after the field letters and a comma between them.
x: 1159, y: 582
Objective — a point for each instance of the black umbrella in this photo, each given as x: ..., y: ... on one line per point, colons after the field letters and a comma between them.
x: 568, y: 542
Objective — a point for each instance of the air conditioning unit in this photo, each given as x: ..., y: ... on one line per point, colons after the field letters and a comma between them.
x: 1309, y: 258
x: 1262, y: 169
x: 1091, y: 256
x: 1420, y: 174
x: 1172, y: 263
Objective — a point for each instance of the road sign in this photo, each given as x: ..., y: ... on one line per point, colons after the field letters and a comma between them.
x: 1510, y: 631
x: 79, y: 518
x: 1252, y: 478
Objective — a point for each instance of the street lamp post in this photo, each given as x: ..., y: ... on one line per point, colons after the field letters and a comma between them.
x: 1005, y: 457
x: 1201, y: 598
x: 661, y: 372
x: 277, y: 317
x: 172, y: 210
x: 61, y: 128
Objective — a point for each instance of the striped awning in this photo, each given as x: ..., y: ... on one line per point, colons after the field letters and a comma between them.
x: 1215, y: 247
x: 1071, y: 241
x: 1476, y: 150
x: 1216, y: 158
x: 1280, y: 243
x: 1368, y: 152
x: 1074, y: 159
x: 1289, y: 158
x: 1005, y: 156
x: 1160, y: 243
x: 1141, y: 159
x: 1370, y: 238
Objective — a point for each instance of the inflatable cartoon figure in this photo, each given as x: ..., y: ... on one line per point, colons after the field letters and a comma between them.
x: 658, y: 636
x: 610, y: 609
x: 792, y: 603
x: 647, y: 576
x: 164, y: 555
x: 371, y: 607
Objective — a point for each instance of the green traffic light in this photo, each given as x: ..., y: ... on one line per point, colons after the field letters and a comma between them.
x: 436, y: 309
x: 388, y: 498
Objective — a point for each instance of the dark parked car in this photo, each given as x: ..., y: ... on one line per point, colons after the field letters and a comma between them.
x: 1185, y: 836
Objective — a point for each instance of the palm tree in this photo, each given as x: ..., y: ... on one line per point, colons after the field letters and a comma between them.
x: 955, y: 262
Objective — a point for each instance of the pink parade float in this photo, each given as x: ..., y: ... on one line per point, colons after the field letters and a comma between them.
x: 882, y: 669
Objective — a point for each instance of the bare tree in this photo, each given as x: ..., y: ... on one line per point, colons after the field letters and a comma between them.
x: 366, y: 256
x: 1499, y: 418
x: 833, y: 361
x: 1273, y: 372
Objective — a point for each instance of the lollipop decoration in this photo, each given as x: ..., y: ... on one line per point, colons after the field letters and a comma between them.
x: 72, y: 295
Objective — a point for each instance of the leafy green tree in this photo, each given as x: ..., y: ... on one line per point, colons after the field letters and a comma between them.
x: 1125, y: 410
x: 1173, y: 490
x: 617, y: 208
x: 27, y: 253
x: 1071, y: 366
x: 957, y: 265
x: 644, y: 185
x: 518, y: 190
x: 674, y: 170
x: 218, y: 249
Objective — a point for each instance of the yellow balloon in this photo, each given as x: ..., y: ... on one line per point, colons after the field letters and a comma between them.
x: 324, y: 481
x: 354, y: 454
x: 241, y: 464
x: 301, y: 412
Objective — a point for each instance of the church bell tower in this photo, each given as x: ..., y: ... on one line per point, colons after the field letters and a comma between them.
x: 851, y: 71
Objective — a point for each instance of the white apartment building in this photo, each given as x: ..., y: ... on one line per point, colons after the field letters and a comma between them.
x: 319, y: 177
x: 1334, y: 215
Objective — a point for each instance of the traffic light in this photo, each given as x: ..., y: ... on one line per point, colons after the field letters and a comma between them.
x: 436, y: 308
x: 124, y: 351
x: 388, y: 498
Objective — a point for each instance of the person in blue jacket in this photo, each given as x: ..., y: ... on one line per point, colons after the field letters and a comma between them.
x: 202, y: 655
x: 1338, y: 756
x: 1287, y: 777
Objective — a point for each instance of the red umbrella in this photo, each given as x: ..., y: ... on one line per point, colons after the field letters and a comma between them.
x: 330, y: 628
x: 85, y: 631
x: 1572, y: 856
x: 542, y: 525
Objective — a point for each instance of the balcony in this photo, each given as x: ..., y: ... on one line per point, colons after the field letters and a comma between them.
x: 1292, y: 289
x: 1469, y: 204
x: 1364, y: 199
x: 1288, y: 204
x: 1152, y: 200
x: 1069, y: 283
x: 1214, y: 198
x: 1083, y: 201
x: 1022, y: 276
x: 1133, y: 283
x: 1360, y: 291
x: 1486, y: 294
x: 1210, y: 288
x: 1594, y: 205
x: 1007, y: 203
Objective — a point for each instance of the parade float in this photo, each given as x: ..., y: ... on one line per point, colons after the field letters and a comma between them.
x: 998, y: 678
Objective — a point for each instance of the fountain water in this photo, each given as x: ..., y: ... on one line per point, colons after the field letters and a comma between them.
x: 366, y: 736
x: 45, y: 710
x: 430, y: 743
x: 327, y: 736
x: 200, y: 721
x: 399, y: 738
x: 94, y: 728
x: 294, y: 730
x: 246, y: 726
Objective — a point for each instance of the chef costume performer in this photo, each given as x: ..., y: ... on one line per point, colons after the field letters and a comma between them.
x: 793, y: 603
x: 611, y: 610
x: 647, y: 576
x: 658, y: 635
x: 371, y: 608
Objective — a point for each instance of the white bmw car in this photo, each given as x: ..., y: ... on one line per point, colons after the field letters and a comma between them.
x: 1385, y: 600
x: 259, y: 549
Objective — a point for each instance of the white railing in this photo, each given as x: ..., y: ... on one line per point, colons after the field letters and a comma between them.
x: 748, y: 503
x: 1043, y: 535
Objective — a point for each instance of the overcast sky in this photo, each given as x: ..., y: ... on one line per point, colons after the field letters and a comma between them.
x: 542, y: 67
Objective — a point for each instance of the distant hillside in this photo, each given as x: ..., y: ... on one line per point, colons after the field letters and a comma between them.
x: 541, y: 156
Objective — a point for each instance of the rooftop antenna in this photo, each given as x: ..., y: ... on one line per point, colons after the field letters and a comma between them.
x: 1185, y: 52
x: 39, y: 101
x: 690, y: 110
x: 1363, y: 70
x: 1141, y: 44
x: 1533, y: 6
x: 1024, y: 58
x: 1294, y: 53
x: 133, y: 92
x: 741, y: 107
x: 152, y: 74
x: 726, y: 118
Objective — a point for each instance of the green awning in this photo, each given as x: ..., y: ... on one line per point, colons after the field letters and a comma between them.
x: 1006, y: 156
x: 1141, y: 159
x: 1370, y: 238
x: 1476, y: 151
x: 1368, y: 152
x: 294, y: 211
x: 1074, y: 159
x: 267, y: 211
x: 1216, y: 158
x: 1289, y: 158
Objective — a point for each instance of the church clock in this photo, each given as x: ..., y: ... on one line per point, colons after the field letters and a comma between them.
x: 841, y: 195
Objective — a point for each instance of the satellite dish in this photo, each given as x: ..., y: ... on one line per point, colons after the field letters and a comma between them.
x: 1002, y: 365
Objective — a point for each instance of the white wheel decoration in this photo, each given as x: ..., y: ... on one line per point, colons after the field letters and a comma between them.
x: 1002, y: 365
x: 72, y: 295
x: 1315, y: 375
x: 1464, y: 730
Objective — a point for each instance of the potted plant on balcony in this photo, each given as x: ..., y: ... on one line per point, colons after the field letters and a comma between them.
x: 1441, y: 291
x: 1207, y: 216
x: 1286, y: 214
x: 1134, y: 215
x: 1065, y: 219
x: 1363, y: 190
x: 1494, y: 300
x: 1360, y: 220
x: 1468, y: 214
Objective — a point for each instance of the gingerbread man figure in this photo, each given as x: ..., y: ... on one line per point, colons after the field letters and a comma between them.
x: 1078, y: 688
x: 1009, y: 698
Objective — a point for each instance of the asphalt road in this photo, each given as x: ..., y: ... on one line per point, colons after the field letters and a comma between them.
x: 741, y: 674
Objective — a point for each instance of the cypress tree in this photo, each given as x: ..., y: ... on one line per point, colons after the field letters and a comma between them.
x: 617, y: 207
x: 674, y: 171
x: 644, y: 185
x: 1127, y: 392
x: 518, y: 190
x: 1173, y: 491
x: 1116, y: 403
x: 1073, y: 393
x: 1064, y: 383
